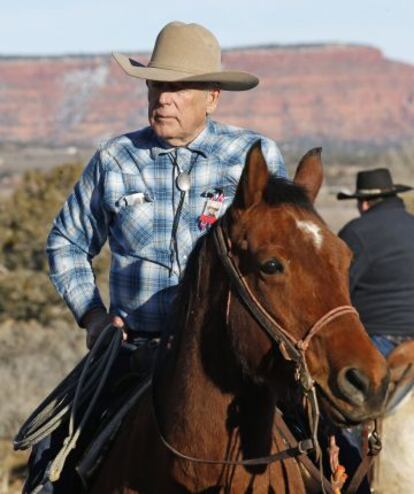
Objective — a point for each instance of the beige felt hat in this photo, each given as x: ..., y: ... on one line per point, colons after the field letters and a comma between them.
x: 187, y: 53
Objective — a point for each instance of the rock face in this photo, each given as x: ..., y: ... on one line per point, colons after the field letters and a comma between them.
x: 340, y: 92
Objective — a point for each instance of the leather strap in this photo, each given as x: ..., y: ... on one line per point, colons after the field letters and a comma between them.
x: 304, y: 459
x: 299, y: 448
x: 361, y: 471
x: 302, y: 448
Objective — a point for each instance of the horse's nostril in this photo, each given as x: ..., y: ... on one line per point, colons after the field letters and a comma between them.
x: 354, y: 385
x: 358, y: 379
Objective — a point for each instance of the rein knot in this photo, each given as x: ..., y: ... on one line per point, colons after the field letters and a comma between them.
x: 302, y: 345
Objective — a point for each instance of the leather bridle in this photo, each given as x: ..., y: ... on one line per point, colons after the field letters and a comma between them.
x: 290, y: 347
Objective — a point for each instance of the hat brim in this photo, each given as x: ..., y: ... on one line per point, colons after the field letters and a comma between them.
x: 228, y: 80
x: 359, y: 195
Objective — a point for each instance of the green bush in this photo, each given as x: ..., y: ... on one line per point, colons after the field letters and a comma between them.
x: 25, y: 220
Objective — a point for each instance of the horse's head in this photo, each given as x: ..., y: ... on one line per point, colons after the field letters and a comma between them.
x: 297, y: 270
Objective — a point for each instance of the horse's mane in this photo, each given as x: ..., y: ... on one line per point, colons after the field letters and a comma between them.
x: 280, y: 191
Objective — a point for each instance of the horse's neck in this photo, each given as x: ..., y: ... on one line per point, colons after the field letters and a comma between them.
x: 202, y: 382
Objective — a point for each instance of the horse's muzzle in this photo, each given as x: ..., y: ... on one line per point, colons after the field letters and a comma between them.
x: 357, y: 390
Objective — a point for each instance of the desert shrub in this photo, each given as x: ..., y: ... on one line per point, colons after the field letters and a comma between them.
x: 27, y: 294
x: 25, y: 220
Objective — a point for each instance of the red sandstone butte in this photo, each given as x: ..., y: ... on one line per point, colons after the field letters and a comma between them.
x: 341, y: 92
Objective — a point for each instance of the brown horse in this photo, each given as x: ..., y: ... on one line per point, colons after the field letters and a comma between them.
x: 224, y: 368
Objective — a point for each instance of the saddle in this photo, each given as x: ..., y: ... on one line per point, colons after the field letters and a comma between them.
x: 401, y: 365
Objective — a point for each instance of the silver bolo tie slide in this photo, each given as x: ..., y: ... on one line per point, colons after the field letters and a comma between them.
x: 183, y: 181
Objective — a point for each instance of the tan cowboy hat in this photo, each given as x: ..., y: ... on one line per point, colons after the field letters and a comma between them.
x: 187, y: 53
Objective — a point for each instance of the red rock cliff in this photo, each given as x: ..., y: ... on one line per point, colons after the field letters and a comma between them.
x: 342, y: 92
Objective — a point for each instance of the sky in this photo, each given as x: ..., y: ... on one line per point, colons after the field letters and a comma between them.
x: 55, y: 27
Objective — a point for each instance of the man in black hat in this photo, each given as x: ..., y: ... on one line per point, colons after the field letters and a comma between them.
x: 382, y: 271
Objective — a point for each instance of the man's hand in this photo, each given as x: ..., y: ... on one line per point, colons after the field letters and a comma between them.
x: 96, y: 320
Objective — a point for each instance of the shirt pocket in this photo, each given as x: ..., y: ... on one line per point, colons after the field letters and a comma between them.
x: 131, y: 208
x: 133, y: 227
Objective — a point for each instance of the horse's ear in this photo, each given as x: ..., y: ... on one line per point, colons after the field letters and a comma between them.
x: 253, y: 179
x: 309, y: 173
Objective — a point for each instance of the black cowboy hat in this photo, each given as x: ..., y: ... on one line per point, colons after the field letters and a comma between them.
x: 372, y: 184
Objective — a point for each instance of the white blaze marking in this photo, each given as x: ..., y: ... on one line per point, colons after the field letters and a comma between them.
x: 313, y: 230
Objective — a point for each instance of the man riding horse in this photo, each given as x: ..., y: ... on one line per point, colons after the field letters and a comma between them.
x: 152, y: 193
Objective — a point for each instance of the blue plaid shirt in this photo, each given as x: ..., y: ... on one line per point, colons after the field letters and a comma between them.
x: 128, y: 195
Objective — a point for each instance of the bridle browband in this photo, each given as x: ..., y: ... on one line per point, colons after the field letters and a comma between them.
x: 291, y: 348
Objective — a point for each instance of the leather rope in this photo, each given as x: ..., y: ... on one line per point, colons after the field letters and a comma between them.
x: 56, y: 407
x: 110, y: 353
x: 83, y: 384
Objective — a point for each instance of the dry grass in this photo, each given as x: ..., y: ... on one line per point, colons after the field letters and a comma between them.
x: 33, y: 360
x: 12, y: 468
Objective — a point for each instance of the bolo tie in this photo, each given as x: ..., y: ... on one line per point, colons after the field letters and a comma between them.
x: 183, y: 183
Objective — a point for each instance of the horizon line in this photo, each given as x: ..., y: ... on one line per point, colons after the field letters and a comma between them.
x: 286, y: 46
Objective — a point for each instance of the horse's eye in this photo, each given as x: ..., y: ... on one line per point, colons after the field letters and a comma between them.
x: 272, y: 267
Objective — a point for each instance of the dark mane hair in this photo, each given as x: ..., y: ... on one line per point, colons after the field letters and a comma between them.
x: 283, y: 191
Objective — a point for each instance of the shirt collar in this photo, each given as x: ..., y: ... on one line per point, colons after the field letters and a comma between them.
x: 201, y: 144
